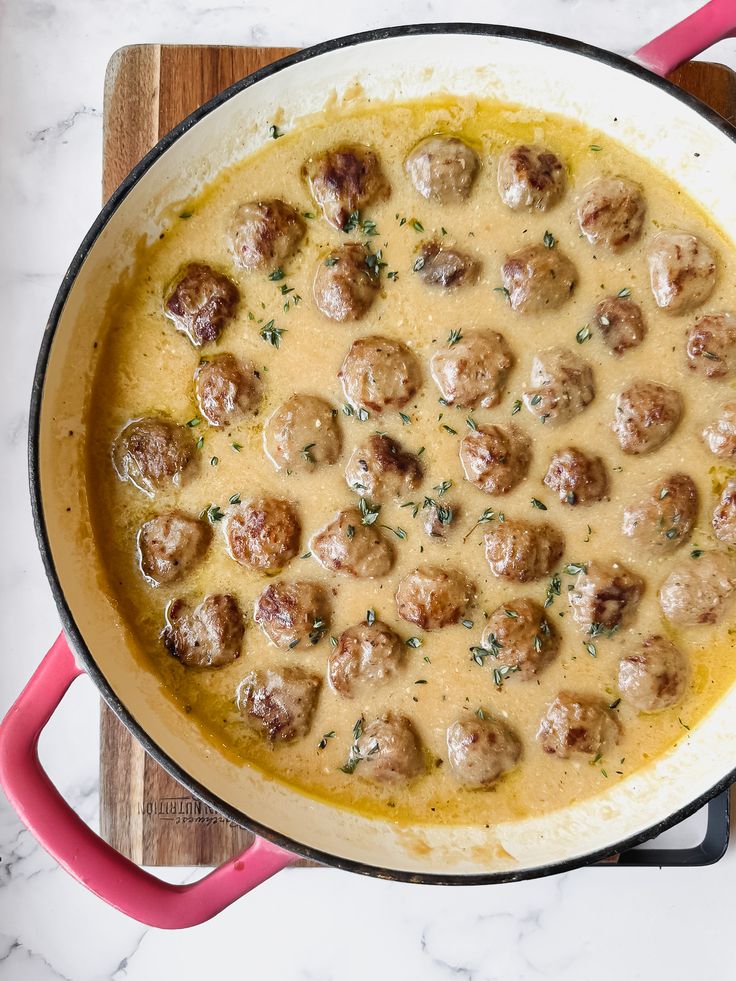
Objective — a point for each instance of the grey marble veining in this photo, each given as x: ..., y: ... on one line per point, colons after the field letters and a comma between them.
x: 302, y: 925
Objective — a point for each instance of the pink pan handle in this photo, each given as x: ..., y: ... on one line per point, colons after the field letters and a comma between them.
x: 711, y: 23
x: 83, y: 853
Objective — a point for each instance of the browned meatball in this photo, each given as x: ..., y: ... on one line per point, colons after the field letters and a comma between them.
x: 495, y: 458
x: 446, y: 267
x: 438, y: 516
x: 171, y: 544
x: 152, y: 453
x: 711, y: 345
x: 604, y: 596
x: 578, y: 724
x: 654, y: 676
x: 292, y: 614
x: 443, y: 168
x: 349, y: 546
x: 366, y: 656
x: 561, y: 386
x: 208, y: 636
x: 227, y: 389
x: 647, y: 414
x: 201, y: 303
x: 699, y: 590
x: 576, y: 477
x: 530, y: 177
x: 663, y: 515
x: 265, y: 234
x: 720, y: 436
x: 379, y: 374
x: 302, y: 434
x: 279, y: 704
x: 263, y: 534
x: 479, y: 751
x: 346, y: 283
x: 381, y: 469
x: 611, y: 212
x: 472, y: 371
x: 388, y: 750
x: 520, y: 637
x: 523, y: 550
x: 537, y: 279
x: 724, y: 516
x: 682, y: 271
x: 433, y: 597
x: 620, y: 323
x: 345, y: 179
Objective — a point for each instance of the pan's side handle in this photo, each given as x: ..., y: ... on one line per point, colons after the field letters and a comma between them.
x: 84, y: 854
x: 711, y: 23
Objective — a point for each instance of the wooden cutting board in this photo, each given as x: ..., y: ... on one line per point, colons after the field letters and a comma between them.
x: 144, y: 813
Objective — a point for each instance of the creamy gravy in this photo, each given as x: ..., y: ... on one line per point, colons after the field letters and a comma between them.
x: 147, y: 368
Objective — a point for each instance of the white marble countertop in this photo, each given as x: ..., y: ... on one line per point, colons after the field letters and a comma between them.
x: 315, y: 925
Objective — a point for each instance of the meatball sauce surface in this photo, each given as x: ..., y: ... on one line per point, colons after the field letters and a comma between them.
x: 411, y: 461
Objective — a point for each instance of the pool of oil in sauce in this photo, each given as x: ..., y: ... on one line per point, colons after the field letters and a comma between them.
x: 147, y: 367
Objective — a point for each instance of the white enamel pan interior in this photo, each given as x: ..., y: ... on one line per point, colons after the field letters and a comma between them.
x: 535, y: 70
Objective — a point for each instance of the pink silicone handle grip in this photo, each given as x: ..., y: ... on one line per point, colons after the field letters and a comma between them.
x: 83, y: 853
x: 711, y: 23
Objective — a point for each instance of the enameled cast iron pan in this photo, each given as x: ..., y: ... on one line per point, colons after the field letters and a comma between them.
x: 655, y: 119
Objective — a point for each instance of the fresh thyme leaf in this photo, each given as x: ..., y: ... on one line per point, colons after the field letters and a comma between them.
x: 331, y: 260
x: 449, y: 429
x: 418, y: 263
x: 271, y: 334
x: 194, y: 422
x: 584, y: 334
x: 274, y: 132
x: 399, y: 532
x: 501, y: 673
x: 234, y: 498
x: 536, y: 503
x: 454, y: 337
x: 503, y: 291
x: 417, y: 226
x: 574, y: 568
x: 370, y: 617
x: 405, y: 418
x: 595, y: 148
x: 323, y: 741
x: 444, y: 486
x: 368, y: 512
x: 553, y: 589
x: 413, y: 642
x: 488, y: 515
x: 516, y: 407
x: 307, y: 452
x: 319, y: 629
x: 214, y: 513
x: 472, y: 424
x: 237, y: 447
x: 624, y: 293
x: 549, y: 240
x: 276, y: 275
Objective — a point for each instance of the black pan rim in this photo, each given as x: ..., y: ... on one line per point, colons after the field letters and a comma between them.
x: 73, y: 634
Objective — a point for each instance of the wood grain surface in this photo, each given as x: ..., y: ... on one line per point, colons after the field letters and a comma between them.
x: 144, y: 813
